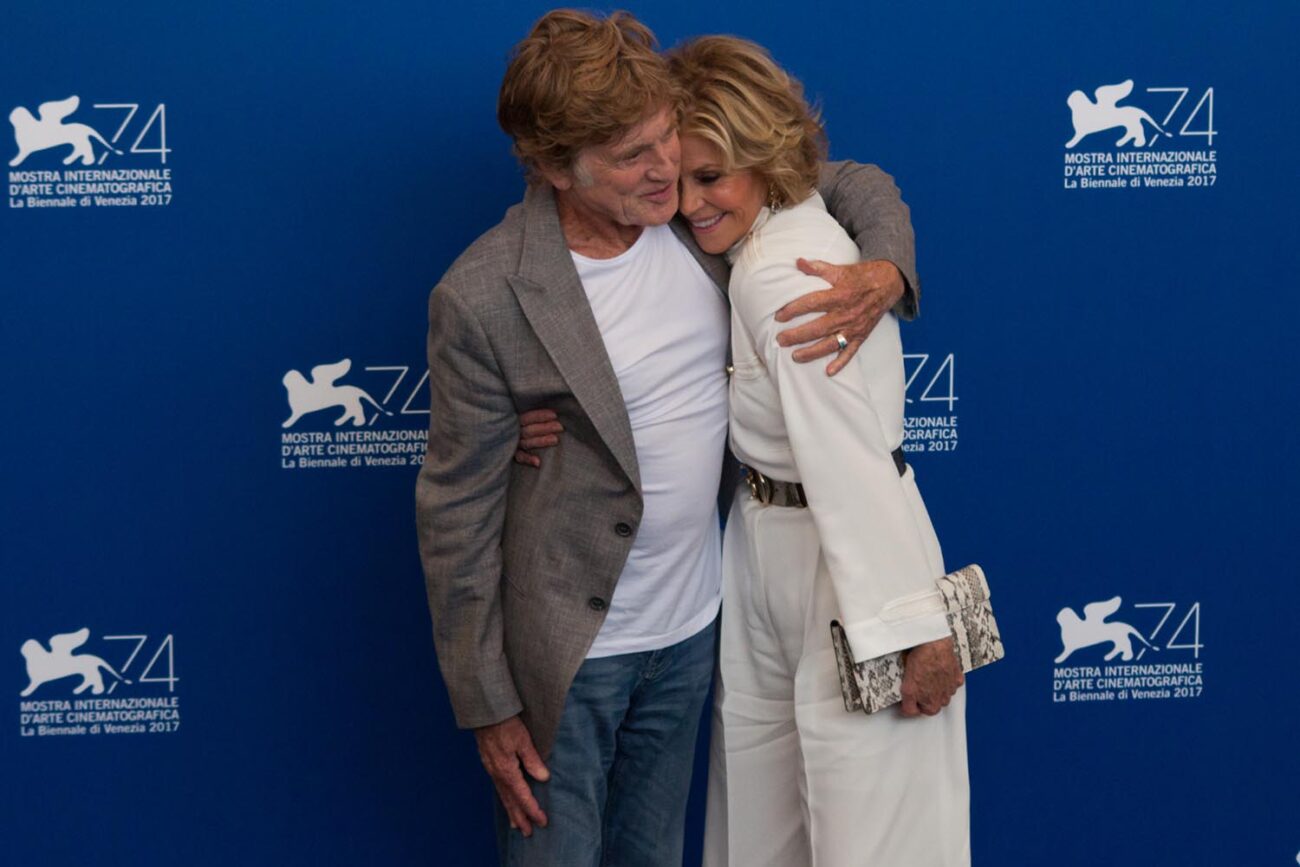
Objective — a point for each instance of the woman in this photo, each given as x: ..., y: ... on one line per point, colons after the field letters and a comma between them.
x: 794, y: 778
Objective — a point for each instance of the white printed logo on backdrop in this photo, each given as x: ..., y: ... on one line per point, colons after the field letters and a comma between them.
x: 1150, y: 652
x: 379, y: 418
x: 1161, y: 137
x: 127, y: 687
x: 930, y: 419
x: 113, y: 155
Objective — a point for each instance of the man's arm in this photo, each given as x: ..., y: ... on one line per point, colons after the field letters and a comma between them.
x: 460, y: 511
x: 866, y: 202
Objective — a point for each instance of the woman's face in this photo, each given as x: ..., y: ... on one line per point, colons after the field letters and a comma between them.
x: 720, y: 206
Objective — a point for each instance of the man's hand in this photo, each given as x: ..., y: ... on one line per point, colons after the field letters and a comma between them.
x: 503, y: 747
x: 858, y: 296
x: 538, y: 429
x: 931, y: 675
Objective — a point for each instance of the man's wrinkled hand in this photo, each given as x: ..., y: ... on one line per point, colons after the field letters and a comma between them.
x: 507, y: 750
x: 859, y: 295
x: 931, y: 676
x: 538, y: 429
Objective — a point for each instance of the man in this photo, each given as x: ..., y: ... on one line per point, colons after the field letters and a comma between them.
x: 574, y: 604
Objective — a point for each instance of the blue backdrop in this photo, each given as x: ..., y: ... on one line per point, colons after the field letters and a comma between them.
x: 1103, y: 405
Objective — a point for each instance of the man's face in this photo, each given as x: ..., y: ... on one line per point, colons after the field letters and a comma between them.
x: 632, y: 180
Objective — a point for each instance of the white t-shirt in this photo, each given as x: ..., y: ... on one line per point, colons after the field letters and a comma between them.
x: 665, y: 328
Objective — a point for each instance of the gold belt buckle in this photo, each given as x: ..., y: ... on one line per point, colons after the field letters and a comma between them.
x: 760, y: 486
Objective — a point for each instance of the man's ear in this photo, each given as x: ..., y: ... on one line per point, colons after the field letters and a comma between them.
x: 560, y: 178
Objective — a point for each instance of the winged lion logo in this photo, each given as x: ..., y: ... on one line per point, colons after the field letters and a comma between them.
x: 34, y: 134
x: 1078, y: 633
x: 320, y: 392
x: 59, y: 661
x: 1090, y: 117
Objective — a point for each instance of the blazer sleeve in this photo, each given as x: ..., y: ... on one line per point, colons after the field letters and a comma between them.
x: 460, y: 511
x: 870, y: 538
x: 866, y: 202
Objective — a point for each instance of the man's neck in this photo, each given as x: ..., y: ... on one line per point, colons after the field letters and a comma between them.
x: 590, y: 234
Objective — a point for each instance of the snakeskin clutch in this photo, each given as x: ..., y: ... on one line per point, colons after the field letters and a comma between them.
x: 877, y: 683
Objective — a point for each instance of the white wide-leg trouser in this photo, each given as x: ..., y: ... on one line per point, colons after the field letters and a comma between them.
x: 795, y: 780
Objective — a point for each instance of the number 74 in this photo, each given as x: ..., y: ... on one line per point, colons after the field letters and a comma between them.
x: 944, y: 373
x: 167, y: 645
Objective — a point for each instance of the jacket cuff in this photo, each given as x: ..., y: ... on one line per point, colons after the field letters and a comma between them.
x: 909, y: 306
x: 902, y: 624
x: 482, y: 701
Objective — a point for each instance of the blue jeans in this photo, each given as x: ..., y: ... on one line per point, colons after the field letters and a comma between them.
x: 621, y: 767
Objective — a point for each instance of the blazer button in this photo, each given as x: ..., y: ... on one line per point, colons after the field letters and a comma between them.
x: 596, y: 603
x: 623, y: 528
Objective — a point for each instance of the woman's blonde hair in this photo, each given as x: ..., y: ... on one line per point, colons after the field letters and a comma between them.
x: 579, y: 80
x: 754, y: 111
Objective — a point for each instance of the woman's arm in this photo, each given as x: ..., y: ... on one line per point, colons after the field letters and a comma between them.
x: 874, y: 548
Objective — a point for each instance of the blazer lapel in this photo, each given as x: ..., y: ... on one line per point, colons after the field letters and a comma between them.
x: 556, y: 305
x: 715, y: 266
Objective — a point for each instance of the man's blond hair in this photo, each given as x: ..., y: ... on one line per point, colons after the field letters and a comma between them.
x: 578, y: 80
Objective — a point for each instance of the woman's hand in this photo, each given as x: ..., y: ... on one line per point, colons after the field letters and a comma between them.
x: 858, y: 296
x: 931, y: 676
x: 538, y: 429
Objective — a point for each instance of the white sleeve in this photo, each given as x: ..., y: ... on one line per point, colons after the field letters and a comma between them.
x: 869, y: 534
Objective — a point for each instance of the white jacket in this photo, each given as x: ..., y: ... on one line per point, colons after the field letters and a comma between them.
x: 792, y: 422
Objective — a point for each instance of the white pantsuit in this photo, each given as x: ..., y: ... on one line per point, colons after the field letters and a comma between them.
x: 796, y: 780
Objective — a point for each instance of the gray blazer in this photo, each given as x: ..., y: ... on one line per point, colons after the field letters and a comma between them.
x: 520, y: 563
